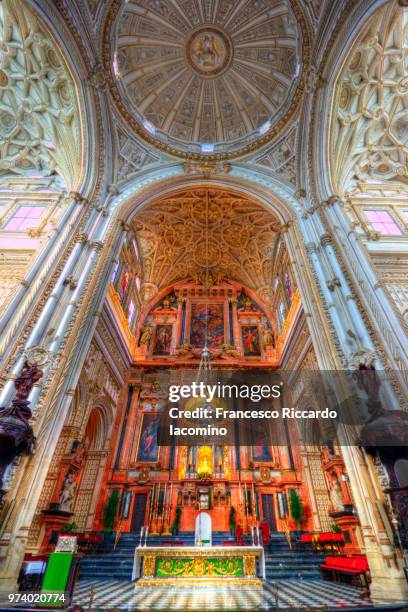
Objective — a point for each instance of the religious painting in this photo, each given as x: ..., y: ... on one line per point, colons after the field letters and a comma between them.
x: 261, y: 450
x: 148, y: 445
x: 261, y: 453
x: 207, y: 323
x: 288, y: 287
x: 250, y: 340
x: 162, y: 340
x: 124, y: 285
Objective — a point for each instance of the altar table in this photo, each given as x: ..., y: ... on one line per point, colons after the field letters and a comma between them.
x: 187, y: 565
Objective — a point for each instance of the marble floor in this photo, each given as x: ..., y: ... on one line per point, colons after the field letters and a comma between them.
x: 288, y: 595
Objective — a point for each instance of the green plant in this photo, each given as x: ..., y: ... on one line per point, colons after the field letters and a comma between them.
x: 232, y: 519
x: 110, y: 510
x: 336, y: 529
x: 176, y: 525
x: 69, y: 527
x: 296, y: 507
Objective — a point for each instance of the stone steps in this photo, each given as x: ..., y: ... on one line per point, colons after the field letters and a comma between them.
x: 280, y: 561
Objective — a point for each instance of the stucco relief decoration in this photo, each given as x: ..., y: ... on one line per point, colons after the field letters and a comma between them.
x: 205, y: 72
x: 240, y: 246
x: 39, y: 111
x: 369, y: 139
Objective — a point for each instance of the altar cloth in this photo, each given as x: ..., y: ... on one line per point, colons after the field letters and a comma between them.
x: 159, y: 565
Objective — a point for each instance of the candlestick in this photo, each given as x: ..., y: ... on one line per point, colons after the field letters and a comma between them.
x: 151, y: 502
x: 156, y: 509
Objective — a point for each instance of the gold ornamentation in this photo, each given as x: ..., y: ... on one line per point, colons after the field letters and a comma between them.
x: 206, y: 168
x: 180, y: 582
x: 3, y: 79
x: 209, y: 51
x: 249, y: 565
x: 146, y: 336
x: 149, y: 565
x: 171, y: 234
x: 37, y: 355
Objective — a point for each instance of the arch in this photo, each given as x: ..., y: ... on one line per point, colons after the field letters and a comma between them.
x: 96, y: 442
x: 48, y: 150
x: 46, y: 131
x: 366, y: 31
x: 401, y: 472
x: 259, y: 185
x: 98, y: 427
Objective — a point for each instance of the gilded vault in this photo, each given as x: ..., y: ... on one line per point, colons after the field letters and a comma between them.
x: 172, y: 238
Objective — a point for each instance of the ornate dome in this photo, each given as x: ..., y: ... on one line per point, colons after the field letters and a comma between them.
x: 206, y: 77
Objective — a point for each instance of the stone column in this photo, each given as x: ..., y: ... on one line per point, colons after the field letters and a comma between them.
x: 343, y: 318
x: 67, y: 351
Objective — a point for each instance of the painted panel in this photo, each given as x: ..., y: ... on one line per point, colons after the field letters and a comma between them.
x: 148, y: 449
x: 250, y: 340
x: 207, y: 320
x: 162, y: 340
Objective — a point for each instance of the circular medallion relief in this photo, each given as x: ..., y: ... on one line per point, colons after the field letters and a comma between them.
x: 208, y: 51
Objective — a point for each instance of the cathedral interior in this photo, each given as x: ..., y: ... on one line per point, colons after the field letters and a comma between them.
x: 189, y: 185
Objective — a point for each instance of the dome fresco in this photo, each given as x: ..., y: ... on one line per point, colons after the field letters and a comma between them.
x: 206, y: 77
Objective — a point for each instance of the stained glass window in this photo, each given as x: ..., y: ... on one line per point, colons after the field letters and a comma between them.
x: 24, y: 218
x: 115, y: 272
x: 282, y: 313
x: 382, y: 222
x: 131, y: 313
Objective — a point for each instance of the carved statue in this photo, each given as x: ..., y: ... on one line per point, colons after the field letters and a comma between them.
x: 368, y: 380
x: 208, y: 279
x: 16, y: 434
x: 336, y: 497
x: 146, y: 336
x: 230, y: 350
x: 79, y: 452
x: 248, y: 305
x: 267, y: 337
x: 25, y: 382
x: 67, y: 493
x: 183, y: 350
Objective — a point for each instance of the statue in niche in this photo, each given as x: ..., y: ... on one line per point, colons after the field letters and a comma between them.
x: 247, y: 303
x: 146, y: 336
x: 267, y: 338
x: 336, y: 496
x: 79, y: 449
x: 67, y: 493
